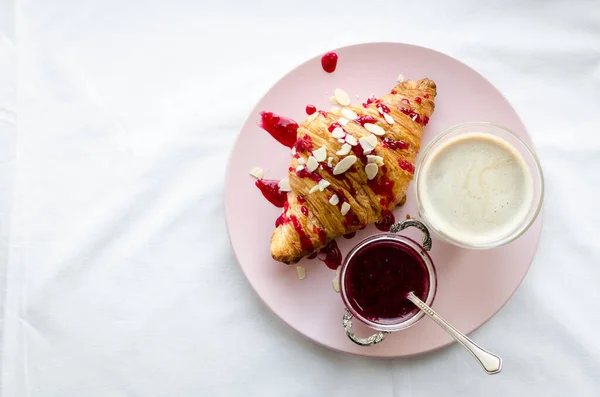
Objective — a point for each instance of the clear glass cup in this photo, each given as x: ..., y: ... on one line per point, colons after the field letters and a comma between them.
x: 530, y: 159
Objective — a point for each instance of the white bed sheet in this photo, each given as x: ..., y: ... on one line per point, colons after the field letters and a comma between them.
x: 121, y: 280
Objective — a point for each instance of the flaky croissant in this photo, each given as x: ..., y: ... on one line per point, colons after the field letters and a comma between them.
x: 351, y: 169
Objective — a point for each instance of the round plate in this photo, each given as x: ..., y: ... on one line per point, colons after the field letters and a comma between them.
x: 472, y: 285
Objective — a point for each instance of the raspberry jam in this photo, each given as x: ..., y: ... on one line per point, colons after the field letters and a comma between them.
x: 331, y: 255
x: 280, y: 128
x: 386, y: 222
x: 305, y: 242
x: 270, y: 189
x: 394, y: 144
x: 310, y: 109
x: 379, y: 276
x: 303, y: 144
x: 329, y: 62
x: 406, y: 166
x: 362, y: 120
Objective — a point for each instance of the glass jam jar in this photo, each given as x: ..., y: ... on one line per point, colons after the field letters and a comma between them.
x: 377, y: 275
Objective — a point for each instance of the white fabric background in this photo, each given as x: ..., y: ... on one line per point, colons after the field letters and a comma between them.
x: 121, y: 280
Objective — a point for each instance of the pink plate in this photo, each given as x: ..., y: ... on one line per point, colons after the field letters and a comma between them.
x: 472, y: 285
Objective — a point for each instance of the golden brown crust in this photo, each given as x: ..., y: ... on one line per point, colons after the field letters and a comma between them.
x: 300, y: 235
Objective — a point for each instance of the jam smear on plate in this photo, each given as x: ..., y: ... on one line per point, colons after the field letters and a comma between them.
x: 331, y: 255
x: 380, y: 276
x: 270, y: 189
x: 281, y: 128
x: 329, y: 62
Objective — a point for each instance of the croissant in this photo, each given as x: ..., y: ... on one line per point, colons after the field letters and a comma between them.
x: 352, y: 169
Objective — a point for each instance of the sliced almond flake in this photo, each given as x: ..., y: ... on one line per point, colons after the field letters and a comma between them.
x: 351, y: 140
x: 388, y: 118
x: 375, y: 129
x: 345, y: 208
x: 349, y: 114
x: 414, y: 117
x: 342, y: 140
x: 335, y: 109
x: 314, y: 189
x: 400, y: 78
x: 334, y: 200
x: 343, y: 121
x: 299, y: 168
x: 346, y: 148
x: 329, y: 161
x: 320, y: 154
x: 375, y: 159
x: 365, y: 143
x: 284, y: 185
x: 257, y: 172
x: 336, y: 284
x: 368, y: 151
x: 294, y: 151
x: 301, y: 160
x: 338, y: 132
x: 341, y: 97
x: 344, y: 165
x: 312, y: 117
x: 380, y: 110
x: 336, y: 279
x: 312, y: 164
x: 372, y: 139
x: 301, y: 272
x: 323, y: 184
x: 371, y: 170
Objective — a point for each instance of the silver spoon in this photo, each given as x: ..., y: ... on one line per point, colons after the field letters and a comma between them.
x: 491, y: 363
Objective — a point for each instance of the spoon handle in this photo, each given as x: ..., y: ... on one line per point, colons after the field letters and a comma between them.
x: 491, y: 363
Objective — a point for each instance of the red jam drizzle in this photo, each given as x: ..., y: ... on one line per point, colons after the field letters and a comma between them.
x: 323, y: 113
x: 351, y: 220
x: 384, y: 187
x: 313, y: 255
x: 321, y: 233
x: 362, y: 120
x: 386, y: 222
x: 329, y: 62
x: 393, y: 92
x: 426, y: 96
x: 333, y: 127
x: 310, y: 109
x: 281, y: 219
x: 418, y: 100
x: 382, y: 108
x: 301, y: 199
x: 380, y: 276
x: 405, y: 101
x: 360, y: 153
x: 281, y: 128
x: 415, y: 116
x: 350, y: 235
x: 331, y: 255
x: 406, y: 166
x: 305, y: 242
x: 270, y: 189
x: 303, y: 144
x: 304, y: 210
x: 394, y: 144
x: 303, y: 173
